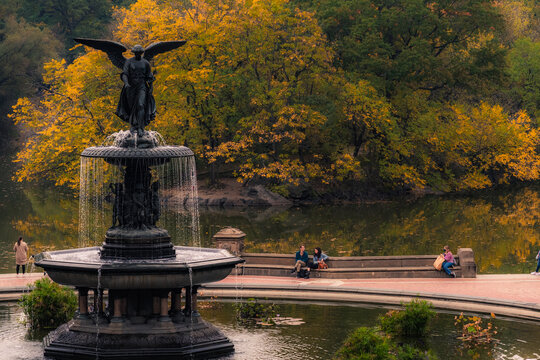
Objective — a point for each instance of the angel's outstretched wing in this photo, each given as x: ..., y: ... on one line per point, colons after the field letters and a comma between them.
x: 113, y: 49
x: 161, y: 47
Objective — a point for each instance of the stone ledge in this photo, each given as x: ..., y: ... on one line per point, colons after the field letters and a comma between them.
x: 406, y: 266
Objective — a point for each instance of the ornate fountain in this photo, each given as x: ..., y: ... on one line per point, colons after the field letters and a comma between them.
x: 150, y: 284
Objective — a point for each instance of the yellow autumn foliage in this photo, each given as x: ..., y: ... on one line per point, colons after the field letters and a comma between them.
x: 255, y: 89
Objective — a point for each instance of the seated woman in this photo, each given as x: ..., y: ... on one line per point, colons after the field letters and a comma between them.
x: 319, y: 259
x: 449, y: 261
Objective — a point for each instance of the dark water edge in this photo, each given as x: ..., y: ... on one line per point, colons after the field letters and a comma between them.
x: 501, y: 226
x: 322, y: 332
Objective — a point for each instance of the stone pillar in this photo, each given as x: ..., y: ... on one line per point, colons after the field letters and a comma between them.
x: 230, y: 239
x: 83, y: 303
x: 194, y: 311
x: 176, y: 306
x: 99, y: 314
x: 117, y: 314
x: 123, y: 304
x: 164, y: 306
x: 156, y: 306
x: 176, y: 301
x: 466, y: 262
x: 189, y: 304
x: 98, y: 301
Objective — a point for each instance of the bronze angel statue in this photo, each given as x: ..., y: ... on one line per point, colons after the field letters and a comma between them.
x: 136, y: 105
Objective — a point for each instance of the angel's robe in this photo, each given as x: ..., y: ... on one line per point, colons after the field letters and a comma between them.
x: 137, y: 105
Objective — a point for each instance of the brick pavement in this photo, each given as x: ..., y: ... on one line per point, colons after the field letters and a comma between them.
x: 511, y: 294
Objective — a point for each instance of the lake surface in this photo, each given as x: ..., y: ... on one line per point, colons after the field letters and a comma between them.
x: 501, y: 227
x: 323, y: 330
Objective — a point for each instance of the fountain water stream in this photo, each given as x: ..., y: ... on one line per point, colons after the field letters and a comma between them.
x: 137, y: 264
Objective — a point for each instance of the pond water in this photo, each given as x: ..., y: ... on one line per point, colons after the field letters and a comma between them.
x: 501, y: 227
x: 324, y: 329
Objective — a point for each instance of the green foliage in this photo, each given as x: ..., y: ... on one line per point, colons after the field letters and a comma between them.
x: 408, y: 352
x: 371, y: 344
x: 252, y: 310
x: 48, y: 305
x: 524, y: 71
x: 413, y: 321
x: 365, y: 344
x: 402, y: 96
x: 414, y: 44
x: 24, y: 48
x: 69, y: 18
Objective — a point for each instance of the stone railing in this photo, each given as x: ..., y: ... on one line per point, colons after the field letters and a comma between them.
x: 352, y: 267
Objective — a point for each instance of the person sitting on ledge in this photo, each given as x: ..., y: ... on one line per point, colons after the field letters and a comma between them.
x: 319, y: 259
x: 449, y: 261
x: 301, y: 259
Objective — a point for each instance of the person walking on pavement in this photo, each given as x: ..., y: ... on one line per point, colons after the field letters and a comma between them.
x: 21, y: 254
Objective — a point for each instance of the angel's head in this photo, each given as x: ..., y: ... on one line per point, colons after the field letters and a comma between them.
x: 137, y: 50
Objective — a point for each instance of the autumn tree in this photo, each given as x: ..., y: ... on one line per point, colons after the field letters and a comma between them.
x: 23, y: 50
x: 524, y: 71
x: 256, y: 90
x: 71, y: 18
x: 417, y: 44
x: 251, y: 78
x: 252, y: 84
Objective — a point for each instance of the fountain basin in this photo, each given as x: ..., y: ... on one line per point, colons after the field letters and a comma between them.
x: 84, y: 268
x: 126, y: 155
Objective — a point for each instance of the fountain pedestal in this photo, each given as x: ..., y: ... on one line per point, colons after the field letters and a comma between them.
x: 140, y: 270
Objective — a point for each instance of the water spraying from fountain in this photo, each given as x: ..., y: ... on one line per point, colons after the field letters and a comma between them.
x: 125, y: 185
x: 125, y: 251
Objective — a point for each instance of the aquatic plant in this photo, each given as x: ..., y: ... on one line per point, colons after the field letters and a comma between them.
x: 474, y: 331
x: 413, y: 321
x: 48, y: 305
x: 252, y: 310
x: 365, y: 343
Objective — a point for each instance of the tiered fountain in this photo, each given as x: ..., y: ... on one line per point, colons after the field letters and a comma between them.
x: 142, y: 274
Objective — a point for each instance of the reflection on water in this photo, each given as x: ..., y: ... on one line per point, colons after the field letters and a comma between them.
x: 13, y: 340
x: 501, y: 227
x: 319, y: 337
x: 326, y: 327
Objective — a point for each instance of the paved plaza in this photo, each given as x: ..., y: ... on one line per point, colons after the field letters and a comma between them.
x: 511, y: 295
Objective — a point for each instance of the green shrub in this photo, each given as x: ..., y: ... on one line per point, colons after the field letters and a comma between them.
x: 365, y: 344
x: 413, y: 321
x: 408, y: 352
x: 48, y: 305
x: 253, y: 310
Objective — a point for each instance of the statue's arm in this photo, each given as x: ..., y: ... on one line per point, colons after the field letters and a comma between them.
x: 149, y: 76
x: 125, y: 74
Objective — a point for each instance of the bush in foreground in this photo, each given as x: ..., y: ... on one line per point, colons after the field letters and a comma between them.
x: 413, y: 321
x: 48, y: 305
x: 379, y: 343
x: 365, y: 344
x: 252, y: 310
